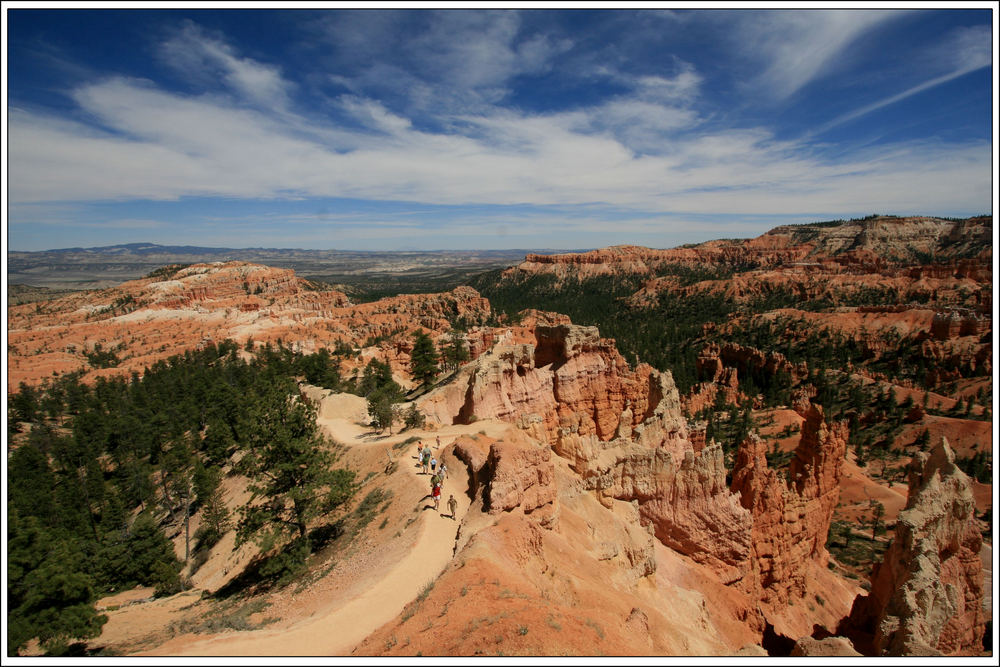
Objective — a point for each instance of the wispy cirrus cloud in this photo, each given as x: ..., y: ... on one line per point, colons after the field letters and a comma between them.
x: 961, y: 52
x: 210, y: 60
x: 436, y: 61
x: 793, y: 48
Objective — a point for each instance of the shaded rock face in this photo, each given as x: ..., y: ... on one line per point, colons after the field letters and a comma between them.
x: 692, y: 511
x: 790, y: 517
x: 719, y: 368
x: 507, y: 476
x: 927, y: 594
x: 620, y: 429
x: 519, y: 476
x: 951, y: 325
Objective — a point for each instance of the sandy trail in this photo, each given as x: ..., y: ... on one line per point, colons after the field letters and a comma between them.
x: 339, y: 627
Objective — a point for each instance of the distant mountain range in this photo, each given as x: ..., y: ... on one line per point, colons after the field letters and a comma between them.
x: 156, y: 249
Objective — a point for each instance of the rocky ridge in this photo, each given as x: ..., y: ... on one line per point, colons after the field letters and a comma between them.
x: 877, y: 242
x: 605, y: 477
x: 146, y: 320
x: 790, y: 520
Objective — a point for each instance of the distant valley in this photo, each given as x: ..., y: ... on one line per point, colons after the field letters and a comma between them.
x: 363, y: 275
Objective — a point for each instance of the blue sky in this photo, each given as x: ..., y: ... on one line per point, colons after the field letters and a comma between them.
x: 438, y: 129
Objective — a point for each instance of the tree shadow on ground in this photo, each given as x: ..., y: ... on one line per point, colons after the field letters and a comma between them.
x: 273, y: 570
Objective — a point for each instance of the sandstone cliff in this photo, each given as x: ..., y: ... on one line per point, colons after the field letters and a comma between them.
x: 584, y: 584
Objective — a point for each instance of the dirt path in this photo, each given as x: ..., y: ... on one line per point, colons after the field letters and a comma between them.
x: 338, y: 627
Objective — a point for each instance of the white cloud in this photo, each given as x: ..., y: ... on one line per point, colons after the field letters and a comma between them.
x: 446, y: 61
x: 164, y: 146
x: 966, y: 49
x: 683, y: 87
x: 68, y: 221
x: 372, y: 114
x: 206, y: 59
x: 796, y: 47
x: 646, y: 150
x: 962, y: 51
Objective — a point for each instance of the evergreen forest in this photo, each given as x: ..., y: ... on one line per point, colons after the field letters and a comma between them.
x: 100, y: 471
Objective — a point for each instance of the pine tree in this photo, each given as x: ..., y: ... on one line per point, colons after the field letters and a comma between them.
x: 142, y: 555
x: 377, y: 375
x: 455, y: 352
x: 24, y: 404
x: 381, y: 408
x: 878, y: 511
x: 49, y: 595
x: 413, y: 418
x: 423, y: 359
x: 290, y: 467
x: 178, y: 468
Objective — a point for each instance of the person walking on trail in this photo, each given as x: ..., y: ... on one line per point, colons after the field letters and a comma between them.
x: 437, y: 496
x: 420, y: 452
x: 452, y: 506
x: 439, y: 443
x: 426, y: 459
x: 435, y: 481
x: 434, y: 463
x: 443, y: 470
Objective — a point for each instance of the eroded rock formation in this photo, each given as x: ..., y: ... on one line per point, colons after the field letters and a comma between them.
x: 873, y: 245
x: 145, y: 320
x: 927, y: 594
x: 791, y: 514
x: 569, y: 384
x: 621, y: 431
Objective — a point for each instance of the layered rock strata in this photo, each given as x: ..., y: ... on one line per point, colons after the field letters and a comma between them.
x: 873, y: 245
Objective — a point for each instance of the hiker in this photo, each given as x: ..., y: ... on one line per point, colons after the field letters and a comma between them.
x: 437, y: 496
x: 435, y: 481
x: 427, y: 459
x: 420, y: 452
x: 439, y: 443
x: 434, y: 463
x: 443, y: 470
x: 452, y: 506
